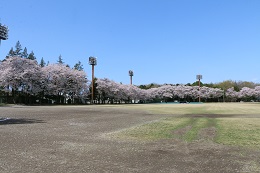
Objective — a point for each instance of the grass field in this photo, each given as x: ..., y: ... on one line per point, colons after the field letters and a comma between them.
x: 205, y: 108
x: 130, y: 138
x: 236, y: 124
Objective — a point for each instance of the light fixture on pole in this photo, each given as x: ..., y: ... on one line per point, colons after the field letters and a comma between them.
x: 92, y: 61
x: 3, y: 32
x: 199, y: 77
x: 131, y: 74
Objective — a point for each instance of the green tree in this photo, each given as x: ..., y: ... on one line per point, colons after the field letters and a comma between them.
x: 226, y: 84
x: 18, y: 48
x: 241, y: 84
x: 60, y: 60
x: 78, y: 66
x: 142, y: 86
x: 31, y: 56
x: 197, y: 84
x: 42, y: 63
x: 11, y: 52
x: 24, y: 54
x: 210, y: 85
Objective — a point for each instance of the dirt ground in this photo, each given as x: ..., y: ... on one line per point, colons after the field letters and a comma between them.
x: 74, y: 139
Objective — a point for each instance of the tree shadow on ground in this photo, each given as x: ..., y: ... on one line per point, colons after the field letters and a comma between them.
x: 8, y: 121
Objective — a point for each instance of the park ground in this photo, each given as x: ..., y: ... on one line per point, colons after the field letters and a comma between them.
x: 178, y: 138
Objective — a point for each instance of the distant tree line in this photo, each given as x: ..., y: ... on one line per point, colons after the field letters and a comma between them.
x: 23, y: 53
x: 109, y: 91
x: 237, y: 85
x: 24, y: 80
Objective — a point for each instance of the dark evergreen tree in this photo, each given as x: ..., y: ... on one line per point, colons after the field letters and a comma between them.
x: 60, y: 61
x: 24, y: 53
x: 78, y: 66
x: 18, y: 48
x: 42, y: 63
x: 31, y: 56
x: 11, y: 52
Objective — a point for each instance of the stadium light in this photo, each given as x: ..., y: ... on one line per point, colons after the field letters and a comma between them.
x: 92, y: 61
x: 131, y: 74
x: 3, y: 32
x: 199, y: 77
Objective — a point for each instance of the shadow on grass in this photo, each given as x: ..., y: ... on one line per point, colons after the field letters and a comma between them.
x: 8, y: 121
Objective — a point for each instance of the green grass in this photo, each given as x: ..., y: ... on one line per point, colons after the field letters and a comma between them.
x: 161, y: 129
x: 197, y: 124
x: 205, y: 108
x: 165, y: 128
x: 237, y: 129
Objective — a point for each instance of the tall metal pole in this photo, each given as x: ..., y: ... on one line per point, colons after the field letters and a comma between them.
x: 92, y: 96
x: 199, y: 89
x: 199, y: 77
x: 131, y: 74
x: 92, y: 62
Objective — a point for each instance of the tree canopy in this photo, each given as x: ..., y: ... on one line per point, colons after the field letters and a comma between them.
x: 22, y: 76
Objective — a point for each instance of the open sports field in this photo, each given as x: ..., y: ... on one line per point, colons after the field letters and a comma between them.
x: 235, y: 124
x: 214, y: 137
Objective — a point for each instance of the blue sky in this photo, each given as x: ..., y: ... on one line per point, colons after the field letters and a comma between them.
x: 162, y: 41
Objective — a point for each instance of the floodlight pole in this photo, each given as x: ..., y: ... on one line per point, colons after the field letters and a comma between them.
x: 92, y: 95
x: 131, y: 74
x: 92, y: 62
x: 3, y: 32
x: 199, y: 77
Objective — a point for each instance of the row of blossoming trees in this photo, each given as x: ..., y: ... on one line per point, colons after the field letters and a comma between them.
x: 24, y: 81
x: 110, y: 92
x: 245, y: 94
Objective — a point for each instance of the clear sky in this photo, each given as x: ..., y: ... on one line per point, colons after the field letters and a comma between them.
x: 162, y: 41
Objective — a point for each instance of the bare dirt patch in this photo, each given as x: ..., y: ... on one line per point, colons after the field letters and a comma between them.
x: 207, y: 133
x: 182, y: 131
x: 73, y: 139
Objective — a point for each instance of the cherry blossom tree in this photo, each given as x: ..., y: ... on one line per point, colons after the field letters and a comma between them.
x: 210, y: 93
x: 23, y: 78
x: 231, y: 94
x: 20, y: 75
x: 257, y: 92
x: 64, y: 82
x: 247, y: 94
x: 116, y: 92
x: 110, y: 91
